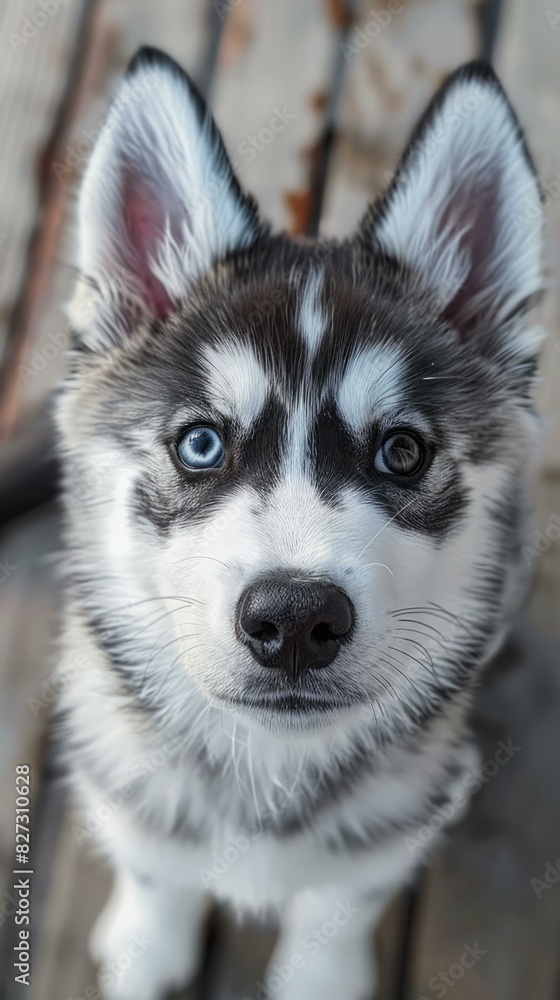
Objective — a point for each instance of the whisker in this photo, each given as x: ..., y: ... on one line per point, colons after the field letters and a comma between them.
x: 373, y: 707
x: 252, y: 779
x: 415, y: 642
x: 423, y: 611
x: 170, y: 611
x: 387, y: 684
x: 420, y: 663
x: 240, y: 784
x: 403, y: 674
x: 387, y: 523
x: 414, y: 621
x: 147, y: 600
x: 440, y: 613
x: 172, y: 664
x: 416, y: 631
x: 369, y: 565
x: 463, y: 622
x: 210, y: 558
x: 159, y: 649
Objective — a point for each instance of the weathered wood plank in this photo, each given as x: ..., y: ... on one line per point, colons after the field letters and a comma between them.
x: 79, y: 884
x: 527, y: 60
x: 75, y: 892
x: 240, y: 958
x: 481, y: 890
x: 458, y: 909
x: 36, y: 49
x: 28, y: 614
x: 490, y: 886
x: 117, y: 29
x: 389, y: 944
x: 272, y: 89
x: 78, y: 888
x: 396, y: 54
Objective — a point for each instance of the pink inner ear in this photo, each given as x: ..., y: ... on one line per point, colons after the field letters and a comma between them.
x: 477, y: 215
x: 144, y: 223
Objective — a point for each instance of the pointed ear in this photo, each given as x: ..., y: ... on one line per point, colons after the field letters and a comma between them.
x: 159, y: 203
x: 463, y: 213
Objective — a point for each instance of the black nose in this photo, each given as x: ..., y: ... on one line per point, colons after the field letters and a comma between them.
x: 294, y: 624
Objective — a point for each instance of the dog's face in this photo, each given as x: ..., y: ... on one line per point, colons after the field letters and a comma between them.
x: 294, y: 468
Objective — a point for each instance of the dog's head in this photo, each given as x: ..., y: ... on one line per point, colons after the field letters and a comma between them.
x: 294, y: 468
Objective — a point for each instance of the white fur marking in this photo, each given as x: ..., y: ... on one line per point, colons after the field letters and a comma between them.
x: 297, y: 447
x: 237, y: 383
x: 311, y: 315
x: 372, y: 383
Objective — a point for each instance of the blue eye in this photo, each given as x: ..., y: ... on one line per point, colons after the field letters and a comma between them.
x: 202, y: 448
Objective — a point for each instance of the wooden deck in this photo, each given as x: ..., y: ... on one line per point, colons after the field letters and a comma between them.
x: 354, y: 99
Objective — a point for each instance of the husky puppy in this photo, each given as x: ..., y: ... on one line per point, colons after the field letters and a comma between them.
x: 295, y: 487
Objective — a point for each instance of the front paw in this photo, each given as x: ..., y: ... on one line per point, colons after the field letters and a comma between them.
x: 143, y: 952
x: 324, y: 977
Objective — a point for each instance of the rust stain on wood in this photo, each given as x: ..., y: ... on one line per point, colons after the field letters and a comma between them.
x: 319, y: 101
x: 238, y: 34
x: 480, y: 10
x: 300, y: 202
x: 339, y: 12
x: 300, y: 205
